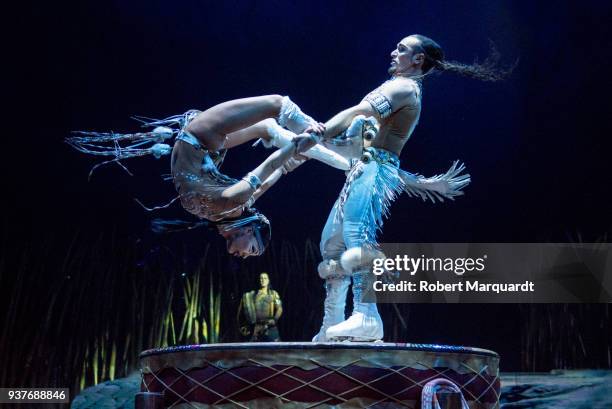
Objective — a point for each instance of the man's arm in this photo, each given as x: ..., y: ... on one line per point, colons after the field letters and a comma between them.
x: 398, y: 94
x: 339, y: 122
x: 380, y: 103
x: 278, y: 310
x: 242, y: 191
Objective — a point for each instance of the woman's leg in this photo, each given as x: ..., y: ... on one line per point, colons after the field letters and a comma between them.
x: 213, y: 125
x: 262, y: 129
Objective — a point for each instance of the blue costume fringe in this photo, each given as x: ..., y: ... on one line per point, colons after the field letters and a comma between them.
x: 391, y: 181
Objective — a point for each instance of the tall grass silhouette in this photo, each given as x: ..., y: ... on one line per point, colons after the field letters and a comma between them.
x: 79, y: 315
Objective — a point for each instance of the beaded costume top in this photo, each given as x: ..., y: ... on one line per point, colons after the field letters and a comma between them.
x: 401, y: 122
x: 201, y: 187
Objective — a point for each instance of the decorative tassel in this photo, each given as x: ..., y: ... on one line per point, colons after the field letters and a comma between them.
x: 130, y: 145
x: 161, y: 226
x: 151, y: 209
x: 160, y: 149
x: 447, y: 185
x: 390, y: 181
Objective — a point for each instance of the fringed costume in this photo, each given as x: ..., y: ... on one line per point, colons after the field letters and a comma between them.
x: 195, y: 170
x: 349, y: 238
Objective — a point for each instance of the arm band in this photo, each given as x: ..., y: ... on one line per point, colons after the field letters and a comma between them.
x: 380, y: 103
x: 253, y: 180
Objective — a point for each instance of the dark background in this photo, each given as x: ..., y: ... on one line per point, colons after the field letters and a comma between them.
x: 537, y: 145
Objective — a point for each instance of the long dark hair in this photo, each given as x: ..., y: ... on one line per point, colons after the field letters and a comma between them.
x: 488, y: 70
x: 251, y: 217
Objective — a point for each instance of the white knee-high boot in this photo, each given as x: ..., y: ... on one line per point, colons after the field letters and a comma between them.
x: 365, y: 323
x: 337, y: 282
x: 292, y: 117
x: 280, y: 137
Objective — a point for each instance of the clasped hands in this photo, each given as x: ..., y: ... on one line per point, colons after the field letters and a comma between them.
x: 303, y: 142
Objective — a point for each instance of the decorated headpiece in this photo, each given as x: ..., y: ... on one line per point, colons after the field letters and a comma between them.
x: 262, y: 229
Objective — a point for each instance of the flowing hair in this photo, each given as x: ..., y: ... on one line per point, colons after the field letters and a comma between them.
x: 488, y: 70
x: 250, y: 217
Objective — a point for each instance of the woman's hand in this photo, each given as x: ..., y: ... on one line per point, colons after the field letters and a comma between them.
x: 309, y: 138
x: 315, y: 127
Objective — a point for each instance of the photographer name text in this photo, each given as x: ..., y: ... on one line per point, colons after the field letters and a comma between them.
x: 466, y: 286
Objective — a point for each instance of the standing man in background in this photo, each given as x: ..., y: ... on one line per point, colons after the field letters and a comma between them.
x: 262, y: 309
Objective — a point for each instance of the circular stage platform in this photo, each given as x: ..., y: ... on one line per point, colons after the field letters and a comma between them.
x: 314, y: 375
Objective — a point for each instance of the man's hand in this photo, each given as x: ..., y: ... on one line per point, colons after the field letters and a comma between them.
x: 305, y: 141
x: 315, y: 127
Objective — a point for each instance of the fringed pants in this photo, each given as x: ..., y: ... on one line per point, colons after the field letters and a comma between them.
x: 357, y: 215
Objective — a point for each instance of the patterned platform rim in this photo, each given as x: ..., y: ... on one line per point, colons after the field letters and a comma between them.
x: 322, y: 345
x: 476, y: 373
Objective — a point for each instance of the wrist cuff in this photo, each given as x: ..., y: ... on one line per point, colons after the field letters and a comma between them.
x: 253, y: 180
